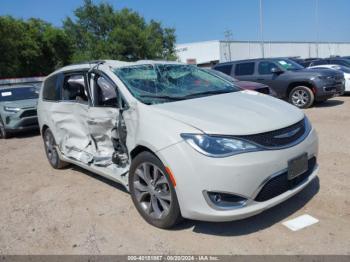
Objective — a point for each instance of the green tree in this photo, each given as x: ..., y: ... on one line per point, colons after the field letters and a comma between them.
x: 32, y: 47
x: 101, y: 32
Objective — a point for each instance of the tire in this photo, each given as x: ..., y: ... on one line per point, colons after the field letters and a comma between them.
x: 152, y: 191
x: 51, y: 151
x: 3, y: 133
x: 302, y: 97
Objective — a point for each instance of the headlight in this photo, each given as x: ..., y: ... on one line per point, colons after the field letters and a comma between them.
x: 12, y: 109
x: 215, y: 146
x: 325, y: 78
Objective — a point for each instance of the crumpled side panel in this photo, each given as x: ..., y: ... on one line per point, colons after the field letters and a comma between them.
x: 101, y: 124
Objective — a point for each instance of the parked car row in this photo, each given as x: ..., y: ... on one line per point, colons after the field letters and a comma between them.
x: 288, y: 79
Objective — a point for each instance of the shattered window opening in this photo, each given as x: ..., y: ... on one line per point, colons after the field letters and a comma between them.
x: 160, y: 83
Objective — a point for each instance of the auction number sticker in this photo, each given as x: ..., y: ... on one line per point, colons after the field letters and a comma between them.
x: 172, y: 258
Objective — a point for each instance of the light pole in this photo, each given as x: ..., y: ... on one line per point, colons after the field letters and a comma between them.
x: 317, y: 28
x: 228, y: 38
x: 261, y: 29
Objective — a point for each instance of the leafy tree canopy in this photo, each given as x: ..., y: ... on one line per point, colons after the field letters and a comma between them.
x: 31, y: 48
x: 96, y: 31
x: 101, y: 32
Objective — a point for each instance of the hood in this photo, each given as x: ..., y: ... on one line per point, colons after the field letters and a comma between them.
x: 318, y: 71
x: 28, y: 103
x: 249, y: 85
x: 239, y: 113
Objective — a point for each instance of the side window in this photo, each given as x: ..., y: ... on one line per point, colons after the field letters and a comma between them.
x: 244, y: 69
x: 319, y: 62
x: 105, y: 92
x: 266, y: 67
x: 226, y: 69
x: 339, y: 62
x: 74, y: 89
x: 50, y: 89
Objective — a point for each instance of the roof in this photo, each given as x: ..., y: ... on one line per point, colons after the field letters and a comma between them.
x: 111, y: 63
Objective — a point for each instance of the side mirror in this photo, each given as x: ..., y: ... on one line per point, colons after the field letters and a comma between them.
x: 276, y: 70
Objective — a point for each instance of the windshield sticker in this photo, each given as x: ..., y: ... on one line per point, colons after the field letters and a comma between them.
x: 6, y: 94
x: 283, y: 62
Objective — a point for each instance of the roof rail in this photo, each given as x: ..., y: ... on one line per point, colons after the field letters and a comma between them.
x: 90, y: 62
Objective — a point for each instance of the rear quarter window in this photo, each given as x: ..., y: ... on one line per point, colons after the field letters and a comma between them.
x: 51, y: 90
x: 226, y: 69
x: 244, y: 69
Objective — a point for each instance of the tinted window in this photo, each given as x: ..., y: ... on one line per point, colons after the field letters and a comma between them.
x: 244, y: 69
x: 265, y: 68
x: 319, y: 62
x: 224, y: 68
x: 19, y: 93
x: 341, y: 62
x: 50, y: 89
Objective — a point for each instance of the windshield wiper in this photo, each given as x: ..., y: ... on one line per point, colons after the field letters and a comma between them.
x: 213, y: 92
x: 175, y: 98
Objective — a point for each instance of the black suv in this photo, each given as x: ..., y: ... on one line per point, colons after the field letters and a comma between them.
x: 288, y: 79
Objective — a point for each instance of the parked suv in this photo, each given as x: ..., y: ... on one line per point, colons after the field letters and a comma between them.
x: 18, y: 109
x: 288, y: 79
x: 184, y: 142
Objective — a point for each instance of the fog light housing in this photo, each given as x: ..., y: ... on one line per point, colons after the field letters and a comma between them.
x: 220, y: 200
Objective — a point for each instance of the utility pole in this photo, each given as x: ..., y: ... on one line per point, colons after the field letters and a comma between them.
x: 261, y: 29
x: 228, y: 38
x: 317, y: 28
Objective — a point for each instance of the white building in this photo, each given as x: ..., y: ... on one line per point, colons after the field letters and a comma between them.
x: 211, y: 52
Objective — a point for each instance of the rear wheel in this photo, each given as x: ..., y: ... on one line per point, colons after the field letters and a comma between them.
x: 152, y: 192
x: 51, y: 151
x: 301, y: 96
x: 3, y: 133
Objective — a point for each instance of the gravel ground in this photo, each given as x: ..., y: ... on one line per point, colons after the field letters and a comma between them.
x: 71, y: 211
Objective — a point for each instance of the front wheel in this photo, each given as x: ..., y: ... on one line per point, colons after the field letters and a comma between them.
x: 152, y: 191
x: 302, y: 97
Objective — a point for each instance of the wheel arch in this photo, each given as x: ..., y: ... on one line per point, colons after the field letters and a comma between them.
x: 299, y: 83
x: 139, y: 149
x: 43, y: 129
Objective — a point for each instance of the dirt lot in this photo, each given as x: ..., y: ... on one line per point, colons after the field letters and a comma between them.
x: 47, y: 211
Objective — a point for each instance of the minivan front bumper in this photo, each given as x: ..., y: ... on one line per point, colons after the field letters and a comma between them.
x: 241, y: 175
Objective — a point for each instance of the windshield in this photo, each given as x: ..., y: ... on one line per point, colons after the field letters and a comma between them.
x: 289, y: 65
x: 344, y: 69
x: 18, y: 93
x: 160, y: 83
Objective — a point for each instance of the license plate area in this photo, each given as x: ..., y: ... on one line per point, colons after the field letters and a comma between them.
x: 297, y: 166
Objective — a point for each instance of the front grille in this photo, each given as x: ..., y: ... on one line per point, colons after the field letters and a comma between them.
x: 28, y: 113
x: 278, y: 138
x: 280, y: 184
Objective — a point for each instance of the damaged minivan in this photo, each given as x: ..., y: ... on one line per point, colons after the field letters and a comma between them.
x: 184, y: 142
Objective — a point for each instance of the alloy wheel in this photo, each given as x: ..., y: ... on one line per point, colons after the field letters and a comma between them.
x: 152, y: 190
x: 300, y: 98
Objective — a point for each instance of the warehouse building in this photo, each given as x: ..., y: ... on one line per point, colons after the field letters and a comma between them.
x: 211, y: 52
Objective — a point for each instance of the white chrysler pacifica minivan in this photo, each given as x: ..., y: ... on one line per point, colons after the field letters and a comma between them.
x: 184, y: 142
